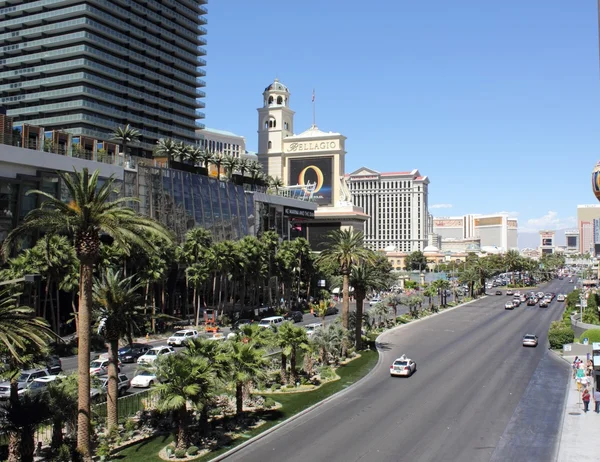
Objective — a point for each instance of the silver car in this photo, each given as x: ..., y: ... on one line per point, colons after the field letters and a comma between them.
x: 530, y: 340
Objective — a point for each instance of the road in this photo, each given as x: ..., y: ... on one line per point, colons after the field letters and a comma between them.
x: 472, y: 373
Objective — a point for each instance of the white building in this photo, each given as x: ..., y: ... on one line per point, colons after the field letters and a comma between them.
x: 396, y: 203
x: 496, y: 231
x: 221, y: 141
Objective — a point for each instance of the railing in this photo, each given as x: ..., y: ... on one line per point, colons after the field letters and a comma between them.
x: 129, y: 406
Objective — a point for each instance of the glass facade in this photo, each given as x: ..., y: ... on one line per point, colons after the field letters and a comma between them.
x: 93, y: 65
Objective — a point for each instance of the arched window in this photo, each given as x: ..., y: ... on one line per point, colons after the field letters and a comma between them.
x: 270, y: 145
x: 286, y: 125
x: 270, y: 100
x: 266, y: 124
x: 275, y: 125
x: 272, y: 123
x: 279, y: 100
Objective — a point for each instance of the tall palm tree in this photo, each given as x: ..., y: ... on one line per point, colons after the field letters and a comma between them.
x: 183, y: 379
x: 363, y: 278
x: 88, y: 214
x: 345, y: 250
x: 290, y: 339
x: 194, y: 156
x: 206, y: 158
x: 275, y: 183
x: 380, y: 312
x: 393, y: 301
x: 430, y: 292
x: 167, y: 147
x: 255, y: 170
x: 243, y: 165
x: 196, y: 275
x: 183, y: 151
x: 117, y: 299
x: 126, y: 135
x: 246, y: 365
x: 230, y: 163
x: 512, y: 262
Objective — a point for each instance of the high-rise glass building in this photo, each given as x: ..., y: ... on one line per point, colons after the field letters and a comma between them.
x: 88, y: 66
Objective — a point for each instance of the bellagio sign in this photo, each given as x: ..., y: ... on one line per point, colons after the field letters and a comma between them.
x: 312, y: 146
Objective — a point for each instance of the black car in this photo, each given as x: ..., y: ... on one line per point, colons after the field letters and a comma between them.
x: 295, y: 316
x: 54, y: 365
x: 330, y: 310
x: 498, y: 292
x: 130, y: 353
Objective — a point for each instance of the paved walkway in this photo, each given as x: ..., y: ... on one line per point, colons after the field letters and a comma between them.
x: 579, y: 440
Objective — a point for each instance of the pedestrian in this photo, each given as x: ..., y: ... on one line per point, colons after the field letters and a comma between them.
x: 585, y: 397
x: 574, y: 366
x: 597, y: 401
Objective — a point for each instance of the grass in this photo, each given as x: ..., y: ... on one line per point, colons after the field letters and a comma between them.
x: 292, y: 404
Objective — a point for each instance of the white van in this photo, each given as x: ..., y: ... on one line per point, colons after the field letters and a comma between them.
x: 272, y: 321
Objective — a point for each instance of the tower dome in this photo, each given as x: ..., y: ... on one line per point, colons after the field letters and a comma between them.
x: 276, y: 94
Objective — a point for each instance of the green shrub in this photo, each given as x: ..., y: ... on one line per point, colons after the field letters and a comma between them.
x: 192, y: 450
x: 180, y: 453
x: 130, y: 425
x: 275, y: 387
x: 559, y: 334
x: 269, y: 403
x: 326, y: 373
x: 593, y: 335
x: 63, y: 454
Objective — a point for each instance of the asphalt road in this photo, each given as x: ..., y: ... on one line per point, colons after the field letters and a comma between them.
x: 472, y: 373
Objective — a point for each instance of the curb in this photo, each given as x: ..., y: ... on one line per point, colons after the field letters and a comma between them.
x: 564, y: 409
x: 245, y: 444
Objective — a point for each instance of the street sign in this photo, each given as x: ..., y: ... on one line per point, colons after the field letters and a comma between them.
x: 566, y: 347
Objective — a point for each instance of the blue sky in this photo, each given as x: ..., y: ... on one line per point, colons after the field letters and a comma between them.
x: 497, y: 102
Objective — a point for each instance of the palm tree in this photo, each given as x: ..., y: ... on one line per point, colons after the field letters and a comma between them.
x: 183, y: 379
x: 22, y: 417
x: 183, y: 151
x: 126, y: 135
x: 276, y: 183
x: 512, y: 262
x: 345, y: 250
x: 194, y: 156
x: 380, y: 312
x: 430, y: 292
x: 246, y: 365
x: 89, y: 214
x: 231, y: 164
x: 167, y: 147
x: 363, y: 278
x: 322, y: 308
x: 217, y: 161
x: 252, y: 333
x: 206, y: 158
x: 290, y: 338
x: 393, y: 300
x: 196, y: 275
x: 243, y: 166
x: 255, y: 170
x: 117, y: 299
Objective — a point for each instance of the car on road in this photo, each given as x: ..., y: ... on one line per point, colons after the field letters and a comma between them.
x: 122, y: 386
x: 509, y: 306
x: 374, y: 300
x: 544, y: 303
x: 331, y: 310
x: 100, y: 366
x: 530, y: 340
x: 516, y: 302
x: 498, y: 292
x: 570, y: 280
x: 403, y: 366
x: 53, y: 364
x: 560, y: 298
x: 523, y: 298
x: 312, y: 328
x: 540, y: 295
x: 218, y: 336
x: 38, y: 385
x: 509, y: 292
x: 294, y: 316
x: 531, y: 301
x: 272, y: 321
x: 130, y: 353
x: 154, y: 353
x: 144, y: 379
x: 181, y: 337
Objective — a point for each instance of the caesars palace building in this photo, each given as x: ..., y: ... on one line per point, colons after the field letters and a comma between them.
x: 313, y: 160
x: 390, y: 208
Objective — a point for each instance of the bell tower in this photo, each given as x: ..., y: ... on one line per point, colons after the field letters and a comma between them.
x: 275, y: 122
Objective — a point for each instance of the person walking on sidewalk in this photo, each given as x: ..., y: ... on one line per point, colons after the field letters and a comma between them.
x: 585, y: 397
x: 597, y: 401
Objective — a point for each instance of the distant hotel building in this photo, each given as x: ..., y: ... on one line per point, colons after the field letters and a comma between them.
x: 586, y: 215
x: 496, y: 232
x: 396, y: 203
x: 221, y: 141
x: 572, y: 241
x: 86, y: 67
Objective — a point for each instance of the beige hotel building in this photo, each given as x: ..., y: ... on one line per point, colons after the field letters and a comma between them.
x: 495, y: 233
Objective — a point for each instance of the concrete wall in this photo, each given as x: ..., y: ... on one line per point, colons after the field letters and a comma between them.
x: 580, y: 327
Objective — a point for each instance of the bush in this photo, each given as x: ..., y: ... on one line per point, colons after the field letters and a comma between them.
x: 593, y: 335
x: 180, y: 453
x: 559, y: 334
x: 269, y: 403
x: 192, y: 450
x: 130, y: 425
x: 275, y: 387
x: 326, y: 373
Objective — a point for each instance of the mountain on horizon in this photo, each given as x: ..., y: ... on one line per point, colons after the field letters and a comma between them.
x: 532, y: 240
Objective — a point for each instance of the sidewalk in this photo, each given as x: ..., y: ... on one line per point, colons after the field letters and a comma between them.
x: 579, y: 440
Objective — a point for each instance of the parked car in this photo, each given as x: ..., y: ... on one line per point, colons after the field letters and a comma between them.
x: 38, y: 385
x: 144, y: 379
x: 28, y: 376
x: 374, y: 300
x: 53, y: 364
x: 154, y: 353
x: 530, y: 340
x: 295, y: 316
x: 123, y: 385
x: 403, y: 366
x: 509, y: 306
x: 218, y: 336
x: 498, y: 292
x: 271, y: 321
x: 181, y: 337
x: 99, y: 366
x: 331, y: 310
x: 130, y: 353
x: 312, y: 328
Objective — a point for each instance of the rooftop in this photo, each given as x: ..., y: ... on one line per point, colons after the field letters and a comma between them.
x: 218, y: 132
x: 314, y: 132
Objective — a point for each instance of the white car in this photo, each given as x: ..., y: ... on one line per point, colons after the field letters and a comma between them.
x: 312, y: 328
x: 180, y: 337
x: 99, y: 366
x: 560, y: 298
x: 374, y: 301
x: 530, y: 340
x: 144, y: 379
x: 403, y: 366
x: 38, y: 385
x: 217, y: 336
x: 154, y: 353
x: 509, y: 306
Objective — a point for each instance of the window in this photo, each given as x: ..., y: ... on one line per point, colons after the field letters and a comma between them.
x: 270, y: 145
x: 270, y: 100
x: 279, y: 100
x: 286, y: 125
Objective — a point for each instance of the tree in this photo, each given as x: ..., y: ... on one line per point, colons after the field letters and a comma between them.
x: 345, y: 249
x: 413, y: 301
x: 194, y: 155
x: 380, y: 312
x: 217, y: 161
x: 393, y: 300
x: 183, y: 379
x: 62, y: 399
x: 206, y: 158
x: 117, y: 300
x: 246, y: 365
x: 276, y: 183
x: 88, y: 214
x: 167, y: 147
x: 243, y: 166
x: 290, y: 338
x: 415, y: 261
x: 231, y: 164
x: 512, y: 262
x: 126, y: 135
x: 430, y: 292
